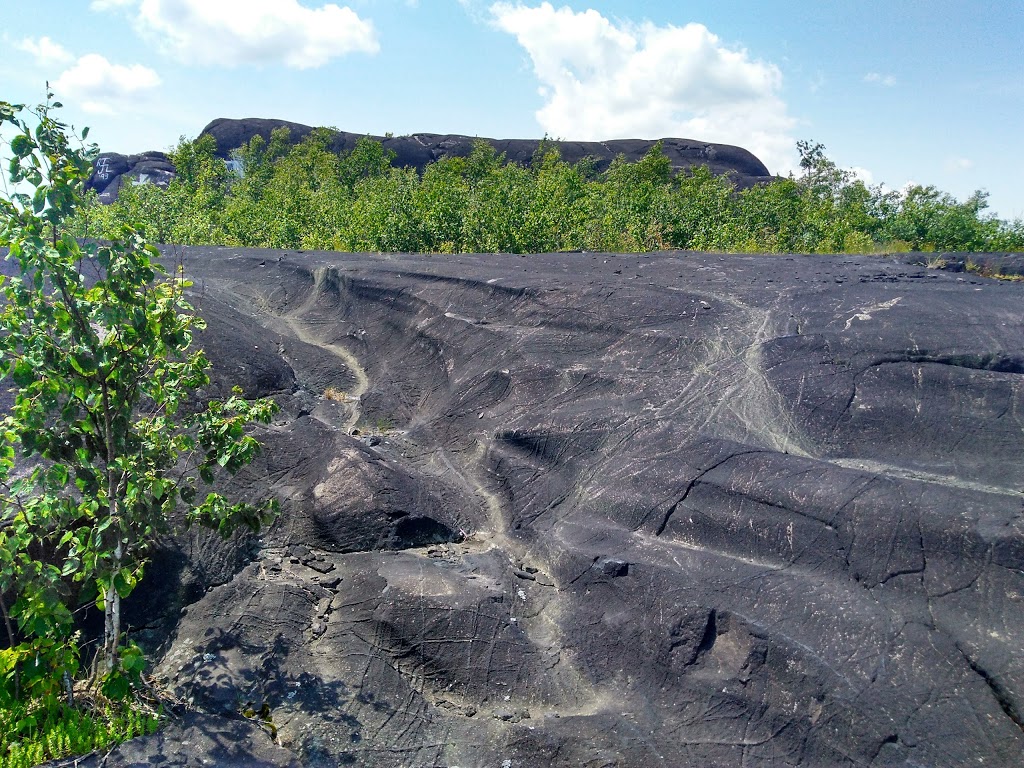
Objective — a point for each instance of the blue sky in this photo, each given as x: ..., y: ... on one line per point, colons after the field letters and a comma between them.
x: 926, y: 91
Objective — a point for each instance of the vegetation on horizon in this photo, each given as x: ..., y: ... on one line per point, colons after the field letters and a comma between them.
x: 104, y: 446
x: 305, y: 196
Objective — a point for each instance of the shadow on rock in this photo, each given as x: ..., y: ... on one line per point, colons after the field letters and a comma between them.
x: 196, y: 740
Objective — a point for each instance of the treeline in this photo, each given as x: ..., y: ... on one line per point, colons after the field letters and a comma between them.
x: 306, y: 196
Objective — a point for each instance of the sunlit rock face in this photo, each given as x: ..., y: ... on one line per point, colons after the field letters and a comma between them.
x: 613, y: 510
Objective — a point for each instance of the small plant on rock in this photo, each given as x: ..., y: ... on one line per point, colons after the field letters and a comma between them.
x: 335, y: 394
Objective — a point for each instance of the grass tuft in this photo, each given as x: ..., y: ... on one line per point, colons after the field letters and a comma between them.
x: 335, y: 394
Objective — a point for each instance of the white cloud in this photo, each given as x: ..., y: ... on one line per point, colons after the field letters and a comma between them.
x: 45, y: 51
x: 863, y: 174
x: 100, y: 86
x: 955, y: 164
x: 602, y: 80
x: 876, y: 77
x: 234, y: 32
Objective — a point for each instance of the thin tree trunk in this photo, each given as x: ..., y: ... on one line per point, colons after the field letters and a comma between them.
x: 112, y: 628
x: 112, y: 612
x: 7, y: 621
x: 10, y: 640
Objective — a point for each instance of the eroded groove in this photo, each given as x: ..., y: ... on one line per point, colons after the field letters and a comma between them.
x: 1002, y: 696
x: 994, y: 362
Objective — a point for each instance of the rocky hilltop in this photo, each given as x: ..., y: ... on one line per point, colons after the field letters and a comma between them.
x: 676, y: 509
x: 420, y: 149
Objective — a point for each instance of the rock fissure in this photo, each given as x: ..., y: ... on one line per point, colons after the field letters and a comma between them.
x: 999, y: 691
x: 994, y: 362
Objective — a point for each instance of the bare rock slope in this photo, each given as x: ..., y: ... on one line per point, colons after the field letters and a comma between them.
x: 610, y: 510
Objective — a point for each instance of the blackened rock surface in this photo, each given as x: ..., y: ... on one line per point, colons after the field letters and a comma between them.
x: 113, y: 170
x: 703, y: 510
x: 987, y: 264
x: 420, y: 149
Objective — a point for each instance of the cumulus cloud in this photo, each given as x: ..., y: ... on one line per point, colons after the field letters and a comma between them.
x: 879, y: 79
x: 92, y: 81
x: 45, y: 51
x: 863, y: 174
x: 235, y: 32
x: 101, y: 86
x: 955, y: 164
x: 602, y: 79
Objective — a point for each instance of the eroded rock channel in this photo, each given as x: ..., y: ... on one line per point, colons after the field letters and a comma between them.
x: 609, y: 510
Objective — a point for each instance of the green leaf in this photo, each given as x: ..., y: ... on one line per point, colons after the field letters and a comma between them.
x: 23, y: 373
x: 132, y: 660
x: 22, y: 146
x: 116, y: 686
x: 124, y: 582
x: 83, y: 361
x: 59, y: 475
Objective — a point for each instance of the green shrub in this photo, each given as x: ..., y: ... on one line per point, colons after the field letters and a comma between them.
x: 33, y: 733
x: 307, y: 196
x: 99, y: 368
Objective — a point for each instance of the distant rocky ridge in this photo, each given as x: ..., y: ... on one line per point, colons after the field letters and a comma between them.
x: 420, y: 149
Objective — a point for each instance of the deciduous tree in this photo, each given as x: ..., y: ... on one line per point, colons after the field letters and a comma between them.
x: 104, y: 444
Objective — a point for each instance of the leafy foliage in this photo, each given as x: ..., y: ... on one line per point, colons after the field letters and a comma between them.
x: 306, y: 196
x: 102, y: 446
x: 32, y: 735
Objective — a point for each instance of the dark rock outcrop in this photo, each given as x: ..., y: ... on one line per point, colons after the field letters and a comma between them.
x: 673, y: 509
x: 113, y: 170
x: 420, y: 149
x: 994, y: 264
